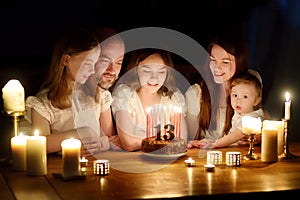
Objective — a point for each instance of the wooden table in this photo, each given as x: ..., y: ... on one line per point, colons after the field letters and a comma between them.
x: 136, y: 176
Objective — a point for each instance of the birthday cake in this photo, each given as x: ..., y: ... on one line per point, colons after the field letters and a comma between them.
x: 163, y: 131
x: 167, y: 143
x: 162, y: 146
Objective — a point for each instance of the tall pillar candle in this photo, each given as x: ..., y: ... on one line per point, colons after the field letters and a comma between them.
x: 13, y: 96
x: 71, y: 157
x: 269, y: 144
x: 279, y: 125
x: 18, y: 151
x: 36, y: 155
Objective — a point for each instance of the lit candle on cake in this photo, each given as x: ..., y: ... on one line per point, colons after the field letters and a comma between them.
x: 13, y: 96
x: 71, y: 157
x: 36, y: 154
x: 287, y: 106
x: 178, y: 121
x: 18, y: 150
x: 148, y: 122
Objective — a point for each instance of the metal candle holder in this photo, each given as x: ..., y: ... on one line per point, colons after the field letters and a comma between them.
x: 251, y: 155
x: 16, y: 115
x: 286, y: 153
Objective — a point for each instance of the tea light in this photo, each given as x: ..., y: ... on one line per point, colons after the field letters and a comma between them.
x: 36, y: 155
x: 101, y: 167
x: 209, y: 167
x: 18, y: 150
x: 13, y: 96
x: 83, y: 165
x: 233, y: 158
x: 71, y: 157
x: 189, y: 162
x: 214, y: 157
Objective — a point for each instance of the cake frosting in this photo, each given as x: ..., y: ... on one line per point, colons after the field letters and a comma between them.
x: 162, y: 146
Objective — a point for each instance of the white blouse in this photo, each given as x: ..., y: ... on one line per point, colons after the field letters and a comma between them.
x: 84, y: 112
x: 126, y: 98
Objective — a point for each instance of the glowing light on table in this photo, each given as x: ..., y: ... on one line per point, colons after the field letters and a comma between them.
x: 18, y: 150
x: 251, y: 125
x: 13, y: 96
x: 71, y: 157
x: 36, y: 154
x: 189, y: 162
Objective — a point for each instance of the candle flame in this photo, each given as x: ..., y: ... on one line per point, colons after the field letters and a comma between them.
x: 148, y: 110
x: 36, y: 133
x: 287, y: 96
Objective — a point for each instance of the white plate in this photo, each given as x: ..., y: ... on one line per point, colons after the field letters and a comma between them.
x: 165, y: 156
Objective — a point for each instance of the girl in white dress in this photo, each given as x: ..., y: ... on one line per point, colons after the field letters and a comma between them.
x: 61, y: 109
x: 148, y: 82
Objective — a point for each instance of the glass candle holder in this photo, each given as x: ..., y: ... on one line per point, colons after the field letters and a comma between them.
x: 233, y: 158
x: 214, y: 157
x: 101, y: 167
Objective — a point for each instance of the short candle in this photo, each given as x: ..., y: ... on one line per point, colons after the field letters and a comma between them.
x: 71, y: 157
x: 233, y: 158
x: 209, y: 167
x: 36, y: 154
x: 189, y: 162
x: 214, y: 157
x: 18, y: 150
x: 83, y: 165
x: 101, y: 167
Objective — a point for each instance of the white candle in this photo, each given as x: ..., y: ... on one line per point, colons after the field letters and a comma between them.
x: 279, y: 125
x: 36, y: 154
x: 18, y: 151
x: 83, y: 164
x: 13, y: 96
x: 71, y: 157
x: 251, y: 125
x: 269, y: 143
x: 189, y: 162
x: 287, y: 106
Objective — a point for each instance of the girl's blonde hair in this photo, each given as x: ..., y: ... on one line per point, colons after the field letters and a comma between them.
x: 59, y: 84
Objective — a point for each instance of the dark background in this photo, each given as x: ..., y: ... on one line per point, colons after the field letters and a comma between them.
x: 272, y: 27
